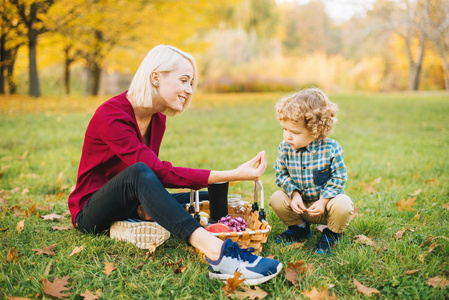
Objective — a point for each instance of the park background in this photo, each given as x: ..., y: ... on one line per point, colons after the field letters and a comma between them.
x: 383, y: 62
x: 87, y: 47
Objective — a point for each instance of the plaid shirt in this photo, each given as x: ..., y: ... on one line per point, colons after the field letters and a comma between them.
x: 316, y: 171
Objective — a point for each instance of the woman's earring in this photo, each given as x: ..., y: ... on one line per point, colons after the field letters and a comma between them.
x: 156, y: 84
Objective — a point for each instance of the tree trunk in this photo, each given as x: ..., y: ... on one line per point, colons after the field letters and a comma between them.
x: 12, y: 86
x: 415, y: 69
x: 95, y: 77
x: 2, y: 63
x: 96, y: 63
x: 67, y: 63
x: 446, y: 73
x: 442, y: 53
x: 34, y: 80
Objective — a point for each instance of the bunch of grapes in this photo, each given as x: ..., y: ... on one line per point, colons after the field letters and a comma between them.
x: 236, y: 224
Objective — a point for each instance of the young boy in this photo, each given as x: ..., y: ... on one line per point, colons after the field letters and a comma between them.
x: 310, y: 171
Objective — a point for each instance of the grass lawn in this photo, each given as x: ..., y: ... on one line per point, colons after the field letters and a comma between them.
x: 396, y: 148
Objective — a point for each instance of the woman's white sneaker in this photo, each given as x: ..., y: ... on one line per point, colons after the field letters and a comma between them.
x: 140, y: 233
x: 254, y: 269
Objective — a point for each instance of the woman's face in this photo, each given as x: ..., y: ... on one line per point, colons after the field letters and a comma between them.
x: 296, y: 134
x: 176, y: 86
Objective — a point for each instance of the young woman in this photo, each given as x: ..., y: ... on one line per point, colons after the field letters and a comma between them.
x: 120, y: 170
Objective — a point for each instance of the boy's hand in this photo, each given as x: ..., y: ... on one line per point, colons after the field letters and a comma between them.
x: 318, y: 208
x: 297, y: 204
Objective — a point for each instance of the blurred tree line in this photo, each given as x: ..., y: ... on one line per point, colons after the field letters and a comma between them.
x: 240, y: 45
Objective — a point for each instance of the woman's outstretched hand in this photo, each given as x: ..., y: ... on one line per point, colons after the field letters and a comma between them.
x: 251, y: 170
x: 254, y: 168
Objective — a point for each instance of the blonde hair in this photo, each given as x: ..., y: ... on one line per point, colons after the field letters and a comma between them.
x: 312, y: 107
x: 162, y: 59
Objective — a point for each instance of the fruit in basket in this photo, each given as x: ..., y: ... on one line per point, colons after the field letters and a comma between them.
x: 204, y: 218
x: 236, y: 224
x: 218, y: 227
x: 204, y: 214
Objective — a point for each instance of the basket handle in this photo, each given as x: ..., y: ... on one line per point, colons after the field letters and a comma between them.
x: 258, y: 190
x: 195, y: 209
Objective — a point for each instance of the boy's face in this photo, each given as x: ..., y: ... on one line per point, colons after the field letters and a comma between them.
x: 296, y: 134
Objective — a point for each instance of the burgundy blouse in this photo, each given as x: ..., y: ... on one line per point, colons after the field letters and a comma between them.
x: 113, y: 142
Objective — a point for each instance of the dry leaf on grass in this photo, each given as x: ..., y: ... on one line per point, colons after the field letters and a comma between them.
x: 323, y: 295
x: 52, y: 217
x: 61, y: 228
x: 377, y: 181
x: 430, y: 181
x: 23, y: 213
x: 76, y: 250
x: 427, y: 241
x: 415, y: 193
x: 438, y: 281
x: 171, y: 263
x: 446, y: 206
x: 140, y: 265
x: 16, y: 211
x: 45, y: 250
x: 109, y: 267
x: 180, y: 269
x: 151, y: 251
x: 291, y: 275
x: 251, y: 294
x: 30, y: 211
x: 398, y: 235
x: 232, y: 284
x: 296, y: 245
x: 293, y: 270
x: 48, y: 268
x: 12, y: 255
x: 57, y: 288
x: 21, y: 157
x: 404, y: 205
x: 410, y: 272
x: 417, y: 216
x: 199, y: 254
x: 430, y: 238
x: 364, y: 240
x: 432, y: 246
x: 88, y: 295
x: 369, y: 188
x: 20, y: 226
x: 364, y: 289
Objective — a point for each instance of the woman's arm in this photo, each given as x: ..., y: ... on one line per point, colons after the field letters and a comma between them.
x: 251, y: 170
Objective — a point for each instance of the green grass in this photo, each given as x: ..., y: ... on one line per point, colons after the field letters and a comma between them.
x: 402, y: 138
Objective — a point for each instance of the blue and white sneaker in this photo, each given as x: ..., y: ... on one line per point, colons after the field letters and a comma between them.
x: 254, y: 269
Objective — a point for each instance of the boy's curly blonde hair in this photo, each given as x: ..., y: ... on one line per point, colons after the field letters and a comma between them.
x: 311, y: 106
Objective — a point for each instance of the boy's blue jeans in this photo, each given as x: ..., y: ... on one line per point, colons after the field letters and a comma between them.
x: 119, y: 198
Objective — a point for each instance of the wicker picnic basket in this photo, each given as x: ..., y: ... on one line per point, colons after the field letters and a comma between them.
x: 258, y: 228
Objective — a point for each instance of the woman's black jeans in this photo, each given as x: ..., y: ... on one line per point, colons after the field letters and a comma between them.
x: 119, y: 198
